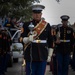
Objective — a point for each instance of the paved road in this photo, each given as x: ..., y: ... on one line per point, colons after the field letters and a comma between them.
x: 18, y: 70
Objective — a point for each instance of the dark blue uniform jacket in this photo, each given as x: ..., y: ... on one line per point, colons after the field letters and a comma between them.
x: 39, y: 50
x: 66, y: 34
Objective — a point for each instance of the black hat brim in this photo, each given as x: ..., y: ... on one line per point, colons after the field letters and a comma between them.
x: 37, y: 11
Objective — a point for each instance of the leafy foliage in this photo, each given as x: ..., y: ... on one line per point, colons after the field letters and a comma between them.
x: 16, y: 8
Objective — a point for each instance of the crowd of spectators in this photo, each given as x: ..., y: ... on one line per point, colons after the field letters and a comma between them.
x: 11, y: 23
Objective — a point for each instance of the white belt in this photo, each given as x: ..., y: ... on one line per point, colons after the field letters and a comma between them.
x: 64, y: 40
x: 39, y: 41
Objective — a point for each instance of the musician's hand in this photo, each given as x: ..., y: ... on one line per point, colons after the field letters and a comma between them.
x: 49, y: 59
x: 57, y: 41
x: 21, y: 39
x: 31, y: 38
x: 25, y: 40
x: 50, y: 53
x: 54, y: 54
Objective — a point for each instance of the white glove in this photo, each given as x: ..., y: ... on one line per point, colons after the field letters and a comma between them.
x: 31, y: 38
x: 48, y: 59
x: 25, y: 40
x: 50, y: 52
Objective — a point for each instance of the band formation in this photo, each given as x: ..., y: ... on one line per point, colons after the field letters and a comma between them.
x: 42, y: 44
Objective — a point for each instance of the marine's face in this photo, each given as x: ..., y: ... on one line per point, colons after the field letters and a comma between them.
x: 37, y: 16
x: 64, y: 23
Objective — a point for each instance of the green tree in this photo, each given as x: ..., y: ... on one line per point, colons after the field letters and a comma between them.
x: 16, y: 8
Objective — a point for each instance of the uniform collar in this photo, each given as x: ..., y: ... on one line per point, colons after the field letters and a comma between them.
x: 35, y: 22
x: 64, y: 26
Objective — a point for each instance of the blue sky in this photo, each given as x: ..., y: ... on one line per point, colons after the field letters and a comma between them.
x: 54, y: 10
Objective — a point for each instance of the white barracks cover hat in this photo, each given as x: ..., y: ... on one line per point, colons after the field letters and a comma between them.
x: 64, y: 17
x: 37, y: 8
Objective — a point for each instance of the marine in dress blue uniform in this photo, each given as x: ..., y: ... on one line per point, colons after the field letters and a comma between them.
x: 36, y: 53
x: 4, y: 45
x: 64, y: 46
x: 72, y: 62
x: 1, y: 53
x: 3, y: 39
x: 7, y: 45
x: 54, y: 63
